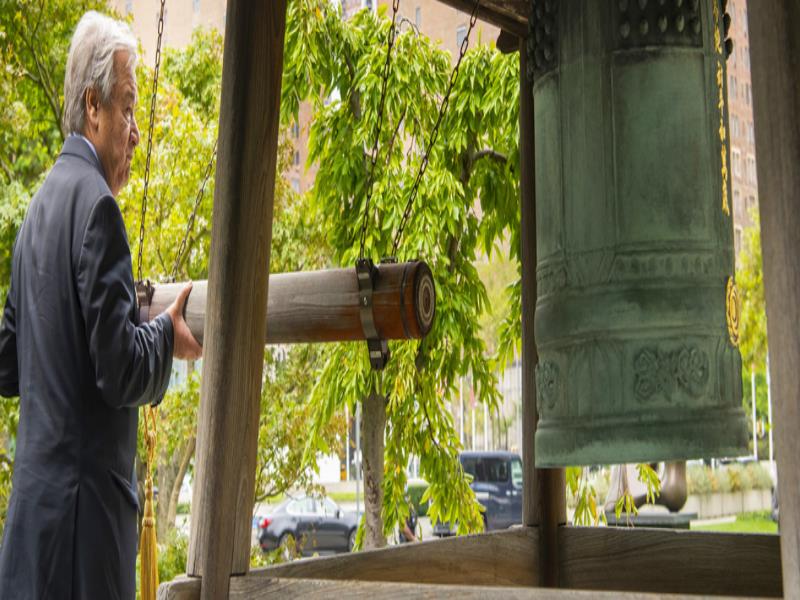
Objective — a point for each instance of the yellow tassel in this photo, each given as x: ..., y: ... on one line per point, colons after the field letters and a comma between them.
x: 148, y: 551
x: 148, y: 557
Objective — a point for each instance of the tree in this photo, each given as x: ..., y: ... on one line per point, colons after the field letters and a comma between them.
x: 336, y: 65
x: 753, y: 321
x: 750, y: 280
x: 185, y: 131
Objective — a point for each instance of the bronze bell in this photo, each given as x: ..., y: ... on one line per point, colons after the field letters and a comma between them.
x: 637, y: 311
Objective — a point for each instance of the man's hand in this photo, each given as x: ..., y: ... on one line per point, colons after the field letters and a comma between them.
x: 185, y: 346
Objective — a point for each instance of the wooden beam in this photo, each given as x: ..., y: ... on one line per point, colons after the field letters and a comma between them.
x: 309, y: 589
x: 670, y: 561
x: 323, y: 306
x: 775, y: 64
x: 591, y: 558
x: 504, y: 558
x: 511, y: 15
x: 544, y: 490
x: 236, y: 312
x: 256, y: 588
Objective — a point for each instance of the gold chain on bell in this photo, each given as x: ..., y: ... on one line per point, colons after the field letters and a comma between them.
x: 733, y: 311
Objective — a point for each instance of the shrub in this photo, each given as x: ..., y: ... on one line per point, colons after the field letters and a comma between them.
x: 698, y: 480
x: 762, y: 480
x: 172, y: 554
x: 701, y: 479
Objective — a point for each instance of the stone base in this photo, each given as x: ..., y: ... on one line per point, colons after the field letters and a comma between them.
x: 660, y: 520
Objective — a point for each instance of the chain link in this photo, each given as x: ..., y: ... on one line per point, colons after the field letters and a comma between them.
x: 423, y: 166
x: 190, y: 223
x: 378, y: 124
x: 150, y: 140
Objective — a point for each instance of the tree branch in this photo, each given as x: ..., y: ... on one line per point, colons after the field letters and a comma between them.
x: 44, y: 83
x: 9, y: 173
x: 487, y: 153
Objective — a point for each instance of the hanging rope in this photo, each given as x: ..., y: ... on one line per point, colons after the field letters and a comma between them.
x: 150, y: 138
x: 190, y: 223
x: 435, y: 132
x: 366, y: 271
x: 148, y: 559
x: 378, y: 124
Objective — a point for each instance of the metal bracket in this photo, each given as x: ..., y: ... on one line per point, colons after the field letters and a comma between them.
x: 367, y: 273
x: 144, y: 297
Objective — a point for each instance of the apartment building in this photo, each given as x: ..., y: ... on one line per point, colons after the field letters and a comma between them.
x: 740, y: 123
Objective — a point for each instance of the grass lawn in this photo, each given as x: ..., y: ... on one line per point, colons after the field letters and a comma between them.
x: 344, y: 496
x: 757, y: 522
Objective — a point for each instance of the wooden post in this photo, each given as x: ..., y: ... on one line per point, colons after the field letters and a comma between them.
x: 236, y: 312
x: 544, y: 492
x: 775, y: 60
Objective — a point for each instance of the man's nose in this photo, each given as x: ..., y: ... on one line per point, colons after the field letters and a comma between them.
x: 134, y: 133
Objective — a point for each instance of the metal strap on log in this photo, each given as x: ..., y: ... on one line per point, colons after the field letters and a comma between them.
x: 324, y: 306
x: 367, y: 274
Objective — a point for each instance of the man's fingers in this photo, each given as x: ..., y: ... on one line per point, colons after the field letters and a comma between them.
x: 183, y: 295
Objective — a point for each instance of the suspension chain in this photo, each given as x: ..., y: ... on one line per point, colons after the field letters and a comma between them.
x: 378, y: 123
x: 150, y: 139
x: 190, y: 223
x: 435, y: 132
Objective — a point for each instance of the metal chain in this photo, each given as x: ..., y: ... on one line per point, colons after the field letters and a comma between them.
x: 435, y: 132
x: 150, y: 139
x: 378, y: 123
x: 190, y: 223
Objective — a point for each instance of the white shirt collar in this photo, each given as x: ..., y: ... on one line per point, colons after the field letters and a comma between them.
x: 85, y: 139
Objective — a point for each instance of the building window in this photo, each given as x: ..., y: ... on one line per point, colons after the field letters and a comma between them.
x: 128, y: 7
x: 461, y: 34
x: 751, y: 203
x: 418, y: 17
x: 751, y: 168
x: 295, y: 130
x: 296, y: 158
x: 296, y: 184
x: 744, y: 21
x: 737, y: 163
x: 732, y: 86
x: 751, y: 137
x: 196, y: 6
x: 738, y: 241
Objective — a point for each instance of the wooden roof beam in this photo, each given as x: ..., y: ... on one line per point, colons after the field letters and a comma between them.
x: 511, y: 16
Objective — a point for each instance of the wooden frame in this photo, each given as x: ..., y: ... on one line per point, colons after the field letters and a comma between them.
x: 545, y: 552
x: 641, y: 560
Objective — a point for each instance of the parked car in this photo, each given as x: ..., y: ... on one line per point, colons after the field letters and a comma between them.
x: 497, y: 483
x: 305, y: 525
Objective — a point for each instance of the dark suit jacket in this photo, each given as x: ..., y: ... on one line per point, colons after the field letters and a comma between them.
x: 71, y: 348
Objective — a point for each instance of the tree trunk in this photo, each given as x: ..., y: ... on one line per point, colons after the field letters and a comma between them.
x: 171, y: 472
x: 166, y: 476
x: 373, y: 426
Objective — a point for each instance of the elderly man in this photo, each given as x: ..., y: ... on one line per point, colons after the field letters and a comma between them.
x: 73, y: 350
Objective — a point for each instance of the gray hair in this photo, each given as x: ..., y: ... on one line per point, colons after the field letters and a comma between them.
x: 90, y: 64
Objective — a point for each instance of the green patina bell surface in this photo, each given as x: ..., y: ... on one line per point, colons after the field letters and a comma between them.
x: 637, y: 311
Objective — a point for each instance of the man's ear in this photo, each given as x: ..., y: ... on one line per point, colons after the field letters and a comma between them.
x: 92, y: 99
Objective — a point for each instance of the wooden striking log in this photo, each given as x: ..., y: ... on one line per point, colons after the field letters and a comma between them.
x: 323, y: 306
